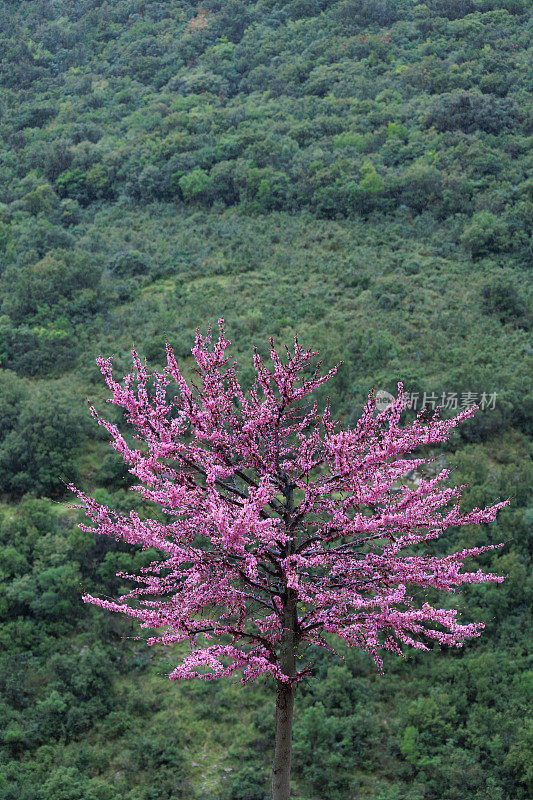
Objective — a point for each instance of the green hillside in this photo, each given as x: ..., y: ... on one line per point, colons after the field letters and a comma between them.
x: 357, y: 172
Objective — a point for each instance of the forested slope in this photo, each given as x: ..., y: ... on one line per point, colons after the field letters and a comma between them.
x: 354, y: 171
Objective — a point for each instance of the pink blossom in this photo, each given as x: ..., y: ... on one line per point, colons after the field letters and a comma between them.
x: 278, y: 518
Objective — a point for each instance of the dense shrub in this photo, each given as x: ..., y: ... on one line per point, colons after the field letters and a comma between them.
x: 486, y: 233
x: 501, y: 297
x: 39, y: 441
x: 472, y: 111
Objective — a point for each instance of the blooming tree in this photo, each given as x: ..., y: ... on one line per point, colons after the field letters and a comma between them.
x: 282, y: 527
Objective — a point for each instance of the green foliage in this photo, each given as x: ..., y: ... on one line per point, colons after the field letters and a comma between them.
x: 246, y: 784
x: 196, y: 186
x: 472, y: 111
x: 208, y: 100
x: 520, y: 757
x: 40, y: 437
x: 409, y: 744
x: 501, y: 297
x: 485, y: 234
x: 49, y: 285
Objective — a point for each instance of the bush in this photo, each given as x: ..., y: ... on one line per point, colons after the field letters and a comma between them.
x: 57, y: 277
x: 486, y: 233
x: 67, y: 783
x: 501, y: 297
x: 130, y: 263
x: 419, y: 187
x: 452, y: 9
x: 471, y: 111
x: 380, y: 12
x: 113, y: 472
x: 246, y: 784
x: 39, y: 447
x: 196, y: 186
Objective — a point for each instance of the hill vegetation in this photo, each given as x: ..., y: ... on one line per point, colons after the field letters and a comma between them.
x: 357, y: 172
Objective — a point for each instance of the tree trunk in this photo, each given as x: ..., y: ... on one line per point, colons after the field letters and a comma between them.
x: 281, y: 769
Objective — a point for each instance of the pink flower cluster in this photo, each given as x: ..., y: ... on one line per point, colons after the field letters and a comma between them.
x: 270, y: 503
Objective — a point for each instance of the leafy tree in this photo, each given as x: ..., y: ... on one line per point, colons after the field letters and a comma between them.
x: 39, y: 442
x: 452, y: 9
x: 53, y: 279
x: 382, y: 12
x: 502, y: 297
x: 246, y: 784
x: 196, y: 186
x: 471, y: 111
x: 41, y: 200
x: 520, y: 756
x: 129, y: 263
x: 485, y: 234
x: 284, y: 528
x: 420, y: 186
x: 67, y: 783
x: 72, y: 183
